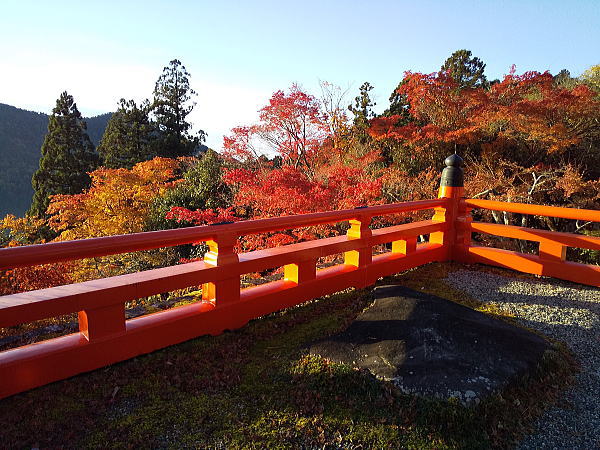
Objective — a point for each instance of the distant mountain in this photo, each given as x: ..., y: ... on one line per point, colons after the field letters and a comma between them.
x: 95, y: 127
x: 21, y: 136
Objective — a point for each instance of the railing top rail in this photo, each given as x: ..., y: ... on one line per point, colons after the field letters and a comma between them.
x: 111, y: 245
x: 538, y: 210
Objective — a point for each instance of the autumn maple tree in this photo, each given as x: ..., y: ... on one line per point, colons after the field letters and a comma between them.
x: 291, y: 125
x: 526, y: 119
x: 526, y: 139
x: 118, y: 202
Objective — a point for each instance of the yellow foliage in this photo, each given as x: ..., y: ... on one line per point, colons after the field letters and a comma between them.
x: 117, y: 202
x: 591, y: 77
x: 21, y: 230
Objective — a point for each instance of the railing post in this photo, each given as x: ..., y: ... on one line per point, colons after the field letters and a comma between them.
x: 405, y: 246
x: 221, y: 253
x: 99, y: 323
x: 552, y: 252
x: 300, y: 272
x: 457, y: 237
x: 363, y: 256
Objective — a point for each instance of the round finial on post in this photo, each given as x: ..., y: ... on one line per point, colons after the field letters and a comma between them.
x: 452, y: 175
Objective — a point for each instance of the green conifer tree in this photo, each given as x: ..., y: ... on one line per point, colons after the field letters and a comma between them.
x: 172, y: 104
x: 129, y: 137
x: 467, y: 71
x: 565, y: 80
x: 362, y: 109
x: 67, y: 156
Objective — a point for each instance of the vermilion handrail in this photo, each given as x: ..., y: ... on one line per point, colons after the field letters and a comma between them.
x: 105, y: 336
x: 542, y: 236
x: 538, y: 210
x: 551, y: 258
x: 112, y: 245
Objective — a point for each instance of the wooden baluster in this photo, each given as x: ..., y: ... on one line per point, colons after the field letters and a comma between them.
x: 108, y: 321
x: 221, y: 253
x: 405, y: 246
x: 359, y: 229
x: 301, y: 272
x: 552, y: 251
x: 363, y: 255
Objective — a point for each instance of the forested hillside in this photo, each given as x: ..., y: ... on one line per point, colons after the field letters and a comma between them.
x: 21, y: 135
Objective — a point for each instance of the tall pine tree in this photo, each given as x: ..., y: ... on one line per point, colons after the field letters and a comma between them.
x: 467, y: 71
x: 130, y: 136
x: 67, y: 156
x: 362, y: 109
x: 172, y: 104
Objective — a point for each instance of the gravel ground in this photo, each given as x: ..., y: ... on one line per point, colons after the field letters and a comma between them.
x: 569, y: 313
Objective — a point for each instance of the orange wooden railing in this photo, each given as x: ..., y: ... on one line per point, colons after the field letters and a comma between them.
x: 551, y: 258
x: 105, y: 336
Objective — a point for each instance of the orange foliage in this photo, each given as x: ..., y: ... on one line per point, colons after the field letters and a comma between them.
x: 526, y: 138
x: 23, y: 231
x: 117, y: 202
x: 527, y: 111
x: 24, y: 279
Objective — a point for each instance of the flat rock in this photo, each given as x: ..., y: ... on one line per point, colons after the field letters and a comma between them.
x: 431, y: 346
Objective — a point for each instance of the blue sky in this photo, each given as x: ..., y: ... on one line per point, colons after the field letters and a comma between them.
x: 240, y: 52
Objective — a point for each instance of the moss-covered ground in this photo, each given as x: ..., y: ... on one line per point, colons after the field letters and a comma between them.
x: 257, y: 388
